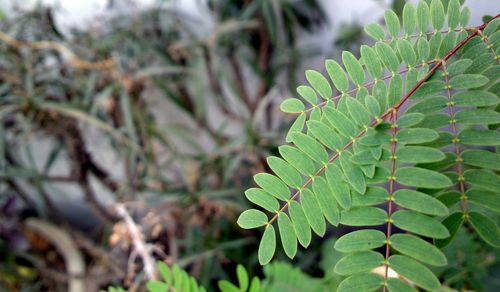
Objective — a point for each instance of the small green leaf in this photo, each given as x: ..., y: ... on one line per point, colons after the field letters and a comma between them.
x: 416, y: 135
x: 466, y: 81
x: 486, y: 228
x: 477, y: 117
x: 397, y: 285
x: 459, y: 67
x: 242, y: 275
x: 366, y: 282
x: 338, y: 186
x: 353, y: 174
x: 292, y: 105
x: 414, y: 271
x: 418, y: 249
x: 319, y: 83
x: 392, y: 23
x: 252, y: 218
x: 410, y: 119
x: 308, y: 94
x: 337, y: 75
x: 226, y: 286
x: 482, y: 158
x: 388, y: 56
x: 263, y: 199
x: 255, y: 285
x: 486, y: 199
x: 285, y: 171
x: 373, y: 196
x: 165, y: 272
x: 420, y: 177
x: 300, y: 223
x: 326, y: 200
x: 428, y: 105
x: 419, y: 202
x: 313, y: 212
x: 375, y: 31
x: 363, y: 216
x: 409, y: 19
x: 359, y: 262
x: 372, y: 105
x: 475, y: 98
x: 395, y: 91
x: 340, y: 122
x: 371, y: 61
x: 297, y: 159
x: 358, y: 112
x: 406, y: 52
x: 437, y: 14
x: 429, y: 89
x: 267, y: 245
x: 157, y: 286
x: 419, y: 224
x: 419, y: 154
x: 479, y: 137
x: 310, y: 146
x: 353, y: 68
x: 452, y: 223
x: 435, y: 44
x: 360, y: 240
x: 287, y: 234
x: 423, y: 16
x: 453, y: 12
x: 423, y: 49
x: 272, y: 185
x: 483, y: 179
x: 297, y: 126
x: 326, y: 135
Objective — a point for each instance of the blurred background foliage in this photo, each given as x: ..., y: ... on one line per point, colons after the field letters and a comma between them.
x: 149, y: 115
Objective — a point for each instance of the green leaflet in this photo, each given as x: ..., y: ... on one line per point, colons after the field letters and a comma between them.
x: 420, y: 177
x: 308, y: 94
x: 267, y: 245
x: 338, y: 186
x: 423, y: 16
x: 263, y: 199
x: 310, y: 147
x: 363, y: 216
x: 459, y: 66
x: 352, y: 173
x: 414, y: 271
x: 300, y: 223
x: 419, y: 202
x: 428, y: 89
x: 337, y: 75
x: 353, y: 68
x: 453, y: 12
x: 272, y: 185
x: 475, y: 98
x: 423, y: 49
x: 428, y: 105
x: 437, y: 14
x: 419, y: 224
x: 252, y: 219
x: 395, y: 92
x: 361, y: 282
x: 418, y: 249
x: 242, y: 275
x: 375, y: 31
x: 373, y: 196
x: 406, y: 52
x: 392, y: 23
x: 370, y: 59
x: 452, y: 223
x: 486, y: 228
x: 482, y: 158
x: 313, y: 213
x: 326, y: 135
x: 297, y: 126
x: 483, y: 179
x: 435, y: 44
x: 297, y: 159
x: 416, y: 135
x: 449, y: 41
x: 419, y: 154
x: 486, y: 199
x: 477, y: 117
x: 373, y: 106
x: 466, y: 81
x: 449, y: 160
x: 359, y: 262
x: 319, y: 83
x: 435, y: 121
x: 360, y: 240
x: 388, y: 57
x: 358, y: 112
x: 396, y: 285
x: 409, y: 19
x: 326, y: 200
x: 287, y: 234
x: 479, y: 137
x: 285, y: 171
x: 340, y: 122
x: 409, y: 120
x: 292, y: 105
